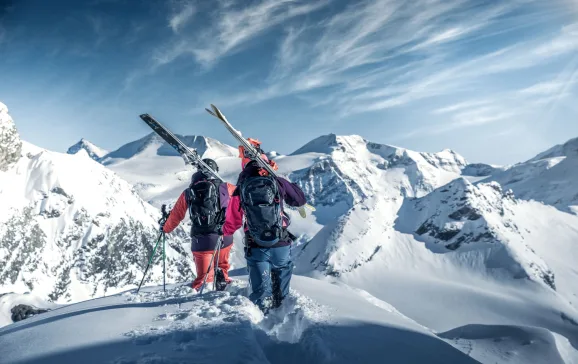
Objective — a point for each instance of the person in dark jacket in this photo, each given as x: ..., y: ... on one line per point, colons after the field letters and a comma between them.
x: 203, y: 245
x: 270, y: 269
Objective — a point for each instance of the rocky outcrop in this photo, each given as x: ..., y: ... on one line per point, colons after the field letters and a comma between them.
x: 22, y: 312
x: 10, y: 143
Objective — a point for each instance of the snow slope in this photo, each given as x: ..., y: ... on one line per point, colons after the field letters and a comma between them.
x: 319, y: 323
x: 87, y: 147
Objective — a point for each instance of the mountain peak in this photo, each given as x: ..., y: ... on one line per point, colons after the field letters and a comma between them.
x: 152, y: 144
x: 329, y: 142
x: 92, y: 150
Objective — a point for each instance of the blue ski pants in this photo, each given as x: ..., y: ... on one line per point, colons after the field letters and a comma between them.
x: 270, y: 271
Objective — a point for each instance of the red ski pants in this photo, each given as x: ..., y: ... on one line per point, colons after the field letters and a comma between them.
x: 202, y: 261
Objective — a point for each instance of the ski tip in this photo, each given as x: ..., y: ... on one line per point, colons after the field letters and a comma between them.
x: 302, y: 212
x: 210, y: 112
x: 218, y: 113
x: 143, y: 116
x: 310, y: 207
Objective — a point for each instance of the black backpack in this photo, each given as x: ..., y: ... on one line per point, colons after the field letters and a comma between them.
x: 204, y: 207
x: 261, y: 201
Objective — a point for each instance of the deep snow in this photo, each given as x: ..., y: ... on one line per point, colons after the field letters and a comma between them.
x: 318, y: 323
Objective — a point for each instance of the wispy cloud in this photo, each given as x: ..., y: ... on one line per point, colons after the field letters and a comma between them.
x: 517, y: 104
x: 548, y: 87
x: 380, y: 54
x: 234, y: 27
x: 375, y: 41
x: 182, y: 13
x: 461, y: 106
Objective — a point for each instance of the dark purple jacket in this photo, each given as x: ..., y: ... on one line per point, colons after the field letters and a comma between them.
x: 290, y: 193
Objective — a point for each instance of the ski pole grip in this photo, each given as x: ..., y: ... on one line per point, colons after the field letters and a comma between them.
x: 164, y: 210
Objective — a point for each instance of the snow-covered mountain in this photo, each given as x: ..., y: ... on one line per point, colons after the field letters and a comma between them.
x: 153, y: 144
x: 479, y: 223
x: 469, y: 261
x: 85, y: 146
x: 71, y: 229
x: 348, y: 169
x: 550, y: 177
x: 157, y: 171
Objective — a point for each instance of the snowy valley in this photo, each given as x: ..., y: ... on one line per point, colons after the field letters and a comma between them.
x: 410, y: 257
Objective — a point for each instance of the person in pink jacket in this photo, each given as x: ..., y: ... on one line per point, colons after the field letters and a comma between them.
x: 270, y: 268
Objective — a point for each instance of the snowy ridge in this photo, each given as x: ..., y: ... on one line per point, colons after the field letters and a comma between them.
x: 349, y: 169
x: 154, y: 144
x: 90, y: 149
x: 358, y: 188
x: 320, y: 323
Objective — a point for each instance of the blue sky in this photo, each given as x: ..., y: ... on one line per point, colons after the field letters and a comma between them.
x: 494, y: 80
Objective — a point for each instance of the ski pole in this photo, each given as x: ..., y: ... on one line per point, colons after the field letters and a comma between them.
x: 164, y: 264
x: 217, y: 263
x: 150, y: 261
x: 209, y: 269
x: 161, y: 221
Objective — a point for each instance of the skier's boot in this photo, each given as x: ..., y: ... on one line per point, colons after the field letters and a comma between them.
x: 220, y: 282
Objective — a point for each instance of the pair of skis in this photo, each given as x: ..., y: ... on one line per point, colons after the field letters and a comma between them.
x: 253, y: 152
x: 191, y: 156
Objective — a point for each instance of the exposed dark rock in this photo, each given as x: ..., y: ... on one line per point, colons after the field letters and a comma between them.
x: 447, y: 235
x: 59, y: 191
x: 467, y: 212
x: 425, y: 227
x: 568, y: 319
x: 21, y: 312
